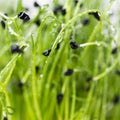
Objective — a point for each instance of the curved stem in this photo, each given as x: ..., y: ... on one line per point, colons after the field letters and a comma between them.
x: 69, y: 23
x: 108, y: 70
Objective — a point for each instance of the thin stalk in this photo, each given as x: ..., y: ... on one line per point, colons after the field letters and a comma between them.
x: 69, y: 23
x: 34, y: 83
x: 57, y: 39
x: 90, y: 43
x: 72, y: 113
x: 107, y: 71
x: 4, y: 16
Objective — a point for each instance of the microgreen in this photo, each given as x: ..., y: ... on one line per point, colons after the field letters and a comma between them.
x: 70, y: 68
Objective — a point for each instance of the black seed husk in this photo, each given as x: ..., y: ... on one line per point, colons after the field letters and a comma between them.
x: 3, y: 24
x: 37, y: 69
x: 58, y: 46
x: 114, y: 50
x: 5, y: 118
x: 36, y: 4
x: 118, y: 72
x: 46, y: 52
x: 95, y: 14
x: 59, y: 98
x: 68, y: 72
x: 85, y: 21
x: 75, y: 1
x: 58, y: 9
x: 23, y: 16
x: 116, y: 99
x: 37, y: 22
x: 89, y: 79
x: 16, y: 49
x: 6, y: 14
x: 73, y: 45
x: 20, y: 87
x: 63, y: 11
x: 20, y: 84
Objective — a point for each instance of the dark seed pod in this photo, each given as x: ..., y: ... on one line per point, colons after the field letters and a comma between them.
x: 16, y: 49
x: 59, y: 98
x: 118, y: 72
x: 89, y: 79
x: 68, y: 72
x: 58, y: 46
x: 3, y: 24
x: 63, y: 11
x: 73, y: 45
x: 75, y: 1
x: 85, y: 21
x: 95, y: 14
x: 20, y: 84
x: 116, y: 99
x: 37, y: 69
x: 114, y: 50
x: 36, y: 4
x: 5, y: 15
x: 23, y: 16
x: 38, y: 22
x: 20, y: 87
x: 46, y: 52
x: 5, y: 118
x: 58, y: 9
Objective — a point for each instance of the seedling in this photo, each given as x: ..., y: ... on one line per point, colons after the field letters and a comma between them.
x: 70, y: 68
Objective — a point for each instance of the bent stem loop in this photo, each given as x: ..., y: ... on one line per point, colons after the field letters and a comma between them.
x: 70, y: 22
x: 60, y: 34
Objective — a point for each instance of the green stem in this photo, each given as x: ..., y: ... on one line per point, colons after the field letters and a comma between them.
x: 34, y: 90
x: 34, y: 82
x: 57, y: 40
x: 69, y: 23
x: 90, y: 43
x: 108, y: 70
x: 4, y: 16
x: 73, y: 100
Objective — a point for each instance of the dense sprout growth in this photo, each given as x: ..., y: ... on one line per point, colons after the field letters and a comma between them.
x: 62, y: 63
